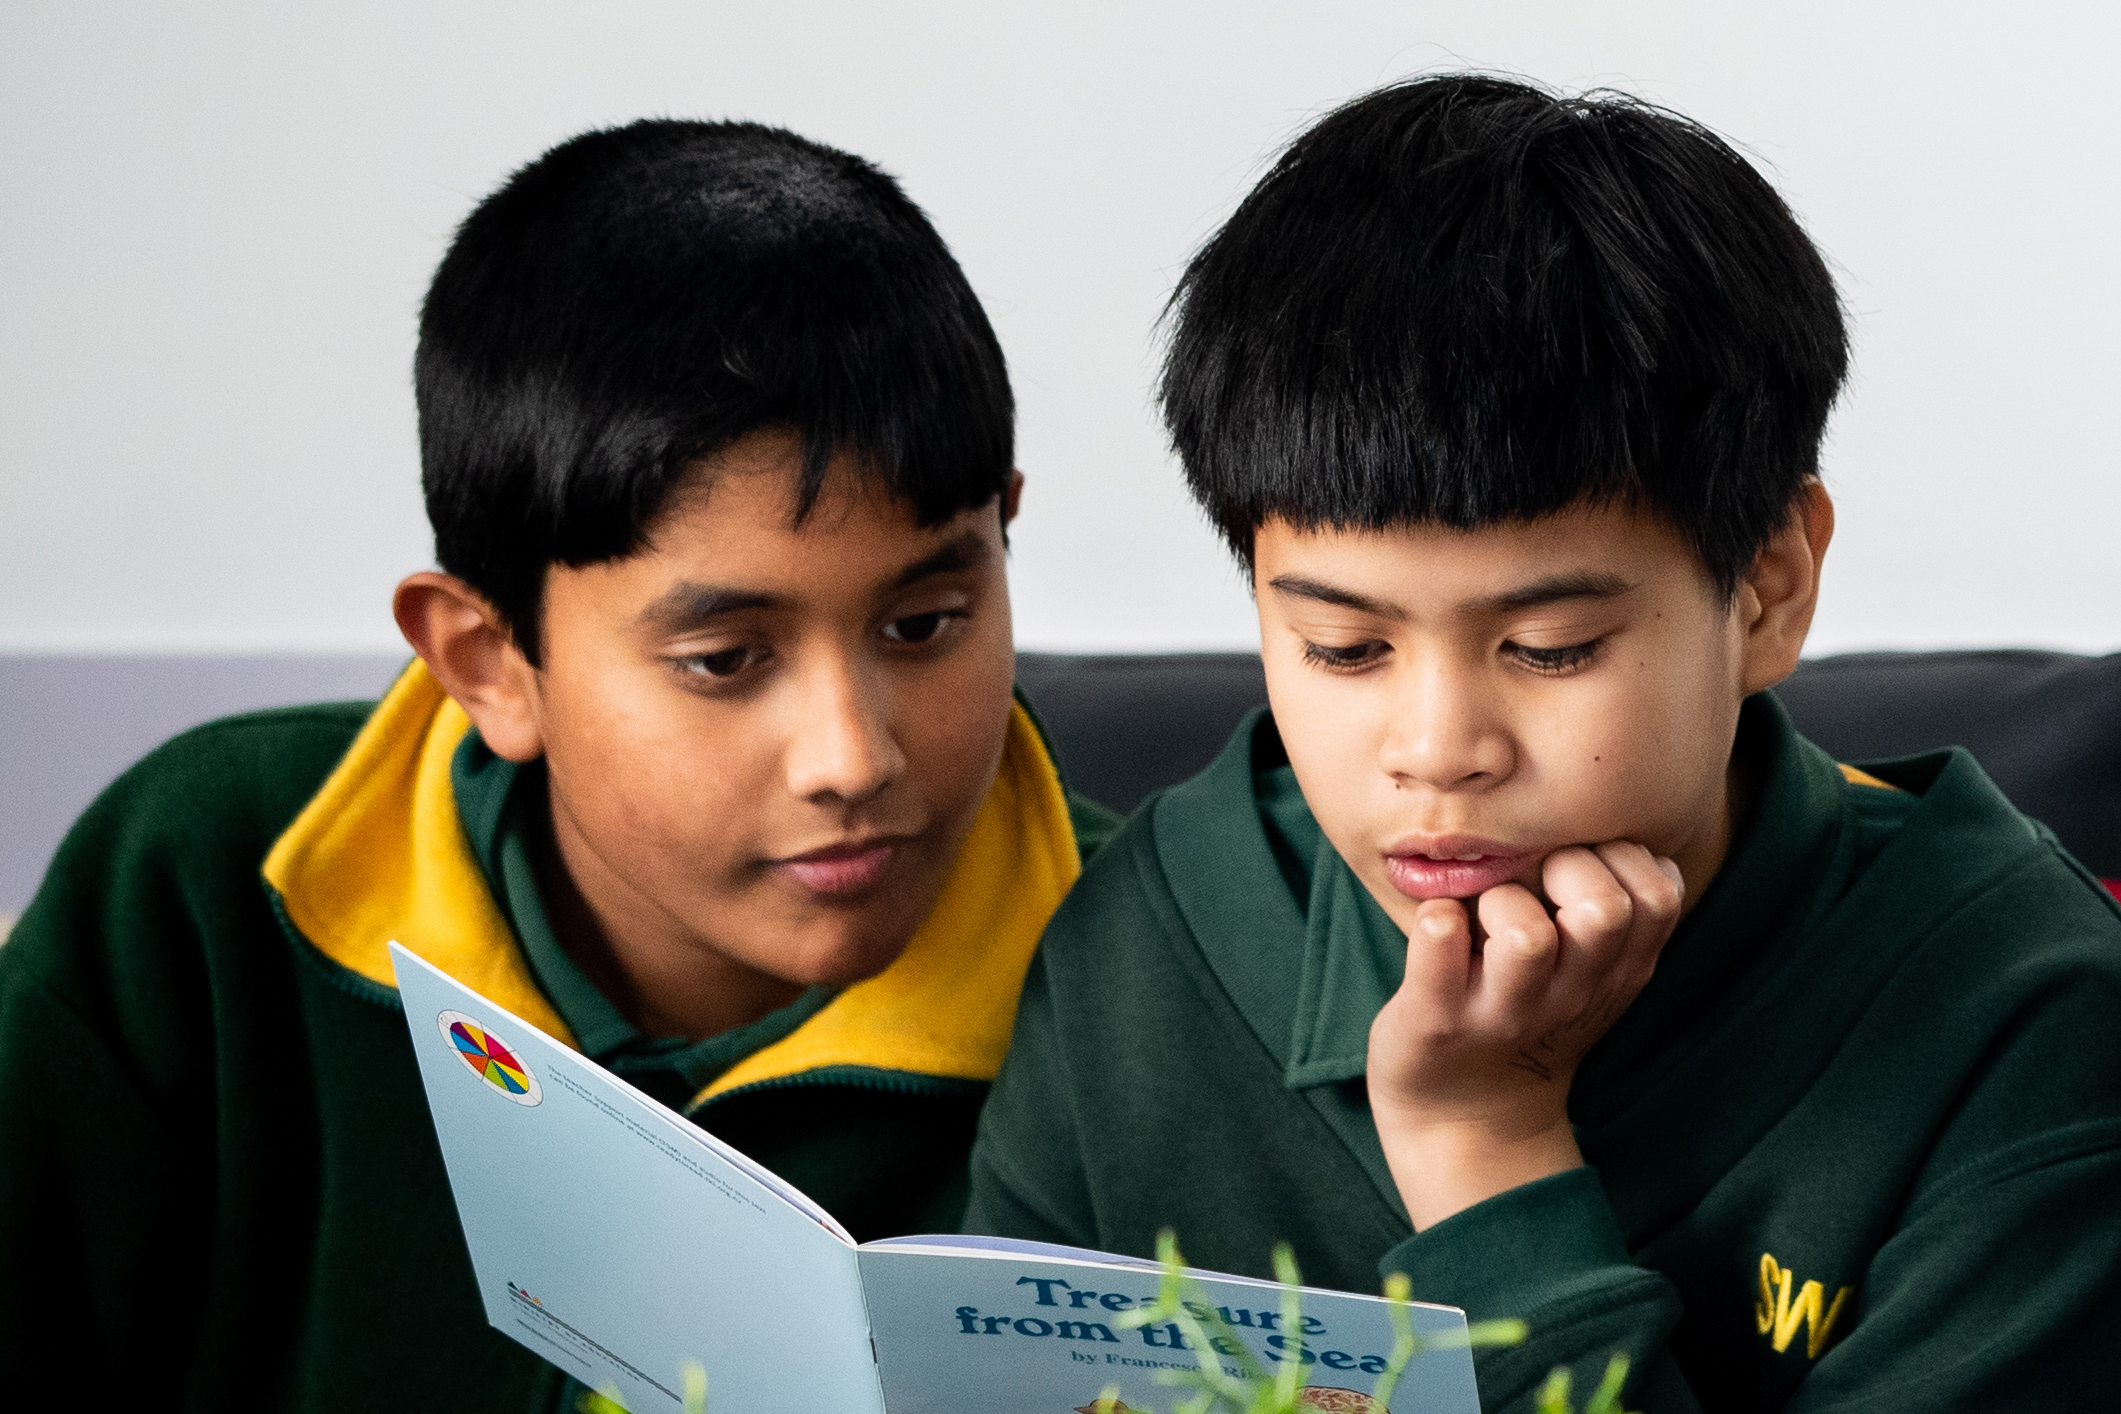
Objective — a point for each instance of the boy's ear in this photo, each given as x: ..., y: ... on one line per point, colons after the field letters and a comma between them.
x: 1012, y: 498
x: 1778, y: 594
x: 470, y: 650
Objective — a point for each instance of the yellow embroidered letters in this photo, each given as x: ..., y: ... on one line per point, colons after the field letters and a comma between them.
x: 1778, y: 1314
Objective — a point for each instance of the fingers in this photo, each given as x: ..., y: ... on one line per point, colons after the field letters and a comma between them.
x: 1518, y: 961
x: 1439, y: 958
x: 1655, y: 886
x: 1488, y: 1041
x: 1615, y: 906
x: 1591, y: 907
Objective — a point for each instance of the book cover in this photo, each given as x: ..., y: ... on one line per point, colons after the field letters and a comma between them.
x: 621, y: 1241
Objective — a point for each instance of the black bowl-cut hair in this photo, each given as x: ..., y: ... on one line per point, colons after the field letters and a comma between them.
x: 1464, y: 301
x: 641, y: 297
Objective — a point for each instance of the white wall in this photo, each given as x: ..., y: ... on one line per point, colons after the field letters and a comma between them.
x: 216, y: 221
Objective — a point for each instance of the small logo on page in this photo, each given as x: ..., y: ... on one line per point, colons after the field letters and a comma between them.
x: 490, y: 1058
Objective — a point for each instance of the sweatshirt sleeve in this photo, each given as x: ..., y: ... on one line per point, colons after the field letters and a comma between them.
x: 110, y: 1200
x: 1551, y: 1254
x: 95, y: 1217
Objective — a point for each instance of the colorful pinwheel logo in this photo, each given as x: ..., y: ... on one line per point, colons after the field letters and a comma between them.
x: 490, y: 1058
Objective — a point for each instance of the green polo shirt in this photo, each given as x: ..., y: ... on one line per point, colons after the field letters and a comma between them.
x: 1855, y: 1144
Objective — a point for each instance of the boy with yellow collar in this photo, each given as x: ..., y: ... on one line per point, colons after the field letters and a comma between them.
x: 709, y: 764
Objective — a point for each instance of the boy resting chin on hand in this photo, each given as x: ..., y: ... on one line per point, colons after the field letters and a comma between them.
x: 1522, y: 946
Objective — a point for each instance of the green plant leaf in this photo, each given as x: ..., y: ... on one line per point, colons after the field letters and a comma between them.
x: 1606, y: 1398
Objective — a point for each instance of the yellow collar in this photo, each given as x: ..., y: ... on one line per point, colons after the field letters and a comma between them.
x: 1856, y: 777
x: 380, y: 854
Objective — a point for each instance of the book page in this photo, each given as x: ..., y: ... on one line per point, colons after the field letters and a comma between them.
x: 975, y: 1326
x: 1015, y: 1246
x: 620, y: 1241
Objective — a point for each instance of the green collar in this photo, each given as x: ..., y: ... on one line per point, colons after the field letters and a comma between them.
x: 1243, y: 822
x: 1353, y: 953
x: 500, y: 803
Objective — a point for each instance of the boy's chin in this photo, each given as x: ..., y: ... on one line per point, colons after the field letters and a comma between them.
x: 839, y: 957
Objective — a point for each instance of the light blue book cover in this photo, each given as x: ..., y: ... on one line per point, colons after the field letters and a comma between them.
x: 622, y: 1242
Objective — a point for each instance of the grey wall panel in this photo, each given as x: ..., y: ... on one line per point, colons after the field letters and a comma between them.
x: 70, y: 724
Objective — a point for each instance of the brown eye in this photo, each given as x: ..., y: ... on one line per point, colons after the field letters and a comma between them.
x: 1556, y: 660
x: 725, y: 664
x: 1355, y: 655
x: 920, y: 628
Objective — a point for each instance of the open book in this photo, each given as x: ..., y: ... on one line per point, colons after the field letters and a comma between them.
x: 621, y: 1241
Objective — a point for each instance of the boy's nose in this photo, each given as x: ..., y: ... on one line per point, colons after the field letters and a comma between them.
x: 841, y: 744
x: 1444, y: 735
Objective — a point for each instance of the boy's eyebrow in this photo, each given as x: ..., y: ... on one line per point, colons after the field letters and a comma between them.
x: 1572, y: 584
x: 961, y: 552
x: 687, y: 605
x: 1304, y: 587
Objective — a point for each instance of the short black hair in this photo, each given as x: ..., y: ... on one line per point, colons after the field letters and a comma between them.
x: 639, y: 298
x: 1463, y: 300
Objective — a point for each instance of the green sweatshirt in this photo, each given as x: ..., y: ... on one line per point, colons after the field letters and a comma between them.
x: 219, y: 1185
x: 1856, y: 1145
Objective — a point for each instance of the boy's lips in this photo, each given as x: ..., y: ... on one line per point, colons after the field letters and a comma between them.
x: 840, y: 870
x: 1451, y: 866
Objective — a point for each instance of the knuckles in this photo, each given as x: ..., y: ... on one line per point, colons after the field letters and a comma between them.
x: 1602, y: 912
x: 1661, y: 899
x: 1527, y: 942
